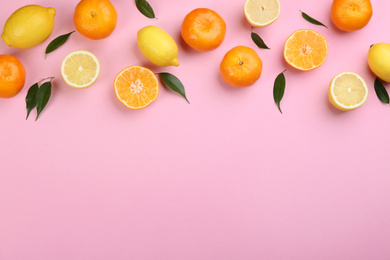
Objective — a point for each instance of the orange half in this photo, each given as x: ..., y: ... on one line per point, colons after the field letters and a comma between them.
x: 136, y: 87
x: 305, y: 50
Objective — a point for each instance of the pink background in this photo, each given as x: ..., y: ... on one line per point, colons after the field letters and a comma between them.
x: 225, y: 177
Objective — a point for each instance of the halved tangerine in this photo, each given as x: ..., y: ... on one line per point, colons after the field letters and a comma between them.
x: 136, y: 87
x: 305, y: 49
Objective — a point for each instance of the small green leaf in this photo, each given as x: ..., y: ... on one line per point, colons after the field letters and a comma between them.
x: 57, y: 42
x: 312, y: 20
x: 43, y: 96
x: 279, y: 87
x: 173, y: 83
x: 381, y: 91
x: 259, y: 42
x: 31, y: 98
x: 144, y: 7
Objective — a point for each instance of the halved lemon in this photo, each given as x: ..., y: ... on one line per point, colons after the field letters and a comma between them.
x: 260, y: 13
x: 80, y: 69
x: 136, y: 87
x: 347, y: 91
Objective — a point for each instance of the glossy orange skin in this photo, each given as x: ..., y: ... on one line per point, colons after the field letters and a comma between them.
x: 203, y: 29
x: 351, y: 15
x: 241, y: 67
x: 12, y: 76
x: 95, y: 19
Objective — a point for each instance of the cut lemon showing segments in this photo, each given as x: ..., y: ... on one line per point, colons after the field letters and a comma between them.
x: 305, y: 49
x: 260, y: 13
x: 80, y: 69
x: 136, y: 87
x: 347, y: 91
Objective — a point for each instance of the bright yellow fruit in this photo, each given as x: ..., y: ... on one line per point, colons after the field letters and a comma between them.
x: 29, y: 26
x: 260, y: 13
x: 80, y: 69
x: 158, y: 46
x: 347, y: 91
x: 379, y: 60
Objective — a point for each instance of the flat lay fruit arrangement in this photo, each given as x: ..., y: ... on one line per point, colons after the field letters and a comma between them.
x: 203, y: 30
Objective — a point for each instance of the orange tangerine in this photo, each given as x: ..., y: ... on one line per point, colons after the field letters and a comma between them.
x: 351, y: 15
x: 241, y: 67
x: 203, y: 29
x: 12, y: 76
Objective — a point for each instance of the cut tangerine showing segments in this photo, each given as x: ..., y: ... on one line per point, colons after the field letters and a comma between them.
x: 305, y: 49
x: 136, y: 87
x: 347, y: 91
x: 80, y: 69
x: 260, y: 13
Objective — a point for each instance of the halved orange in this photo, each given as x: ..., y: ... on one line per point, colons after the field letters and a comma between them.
x: 305, y: 49
x: 136, y: 87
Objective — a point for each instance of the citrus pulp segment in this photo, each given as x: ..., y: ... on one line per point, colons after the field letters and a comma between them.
x: 305, y: 49
x: 347, y: 91
x: 260, y: 13
x: 136, y: 87
x: 80, y: 69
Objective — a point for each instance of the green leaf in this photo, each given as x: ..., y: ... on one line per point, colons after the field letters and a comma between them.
x: 279, y: 87
x: 173, y: 83
x: 43, y: 96
x: 381, y: 91
x: 259, y: 42
x: 312, y: 20
x: 57, y: 42
x: 144, y: 7
x: 31, y: 98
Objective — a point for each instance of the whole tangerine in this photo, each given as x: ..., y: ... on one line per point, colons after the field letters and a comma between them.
x: 241, y: 67
x: 203, y: 29
x: 351, y: 15
x: 12, y: 76
x: 95, y: 19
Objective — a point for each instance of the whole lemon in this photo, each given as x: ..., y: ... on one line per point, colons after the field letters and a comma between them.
x: 379, y: 60
x: 158, y: 46
x: 29, y: 26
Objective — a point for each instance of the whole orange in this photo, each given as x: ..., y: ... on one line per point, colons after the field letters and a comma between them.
x: 351, y: 15
x: 203, y: 29
x: 241, y: 67
x: 12, y: 76
x: 95, y: 19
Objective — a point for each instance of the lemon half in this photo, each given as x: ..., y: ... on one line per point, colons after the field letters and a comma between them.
x: 347, y: 91
x: 260, y: 13
x: 80, y: 69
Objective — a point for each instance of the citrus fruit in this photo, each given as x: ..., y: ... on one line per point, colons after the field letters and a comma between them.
x: 157, y: 46
x: 351, y: 15
x: 29, y: 26
x: 12, y: 76
x: 260, y: 13
x: 347, y: 91
x: 379, y: 60
x: 241, y: 67
x: 305, y: 49
x: 80, y: 69
x: 95, y: 19
x: 203, y: 29
x: 136, y: 87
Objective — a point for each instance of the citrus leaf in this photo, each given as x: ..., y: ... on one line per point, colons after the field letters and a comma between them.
x: 259, y: 42
x: 173, y: 83
x: 31, y: 98
x: 43, y: 96
x: 381, y: 91
x: 312, y: 20
x: 279, y: 87
x: 144, y: 7
x: 57, y: 42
